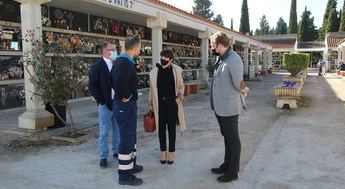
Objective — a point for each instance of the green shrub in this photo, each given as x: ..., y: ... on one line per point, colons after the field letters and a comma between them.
x: 296, y: 62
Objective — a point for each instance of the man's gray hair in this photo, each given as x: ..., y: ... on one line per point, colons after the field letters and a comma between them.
x: 106, y: 43
x: 132, y: 42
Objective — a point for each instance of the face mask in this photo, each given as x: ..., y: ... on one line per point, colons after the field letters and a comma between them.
x: 215, y: 53
x: 113, y: 55
x: 164, y: 62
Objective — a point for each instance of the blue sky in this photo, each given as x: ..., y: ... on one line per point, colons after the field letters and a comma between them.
x: 273, y: 9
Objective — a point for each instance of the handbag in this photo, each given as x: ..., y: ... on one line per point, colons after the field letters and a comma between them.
x: 149, y: 122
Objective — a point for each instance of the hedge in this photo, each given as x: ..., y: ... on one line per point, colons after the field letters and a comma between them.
x: 296, y: 62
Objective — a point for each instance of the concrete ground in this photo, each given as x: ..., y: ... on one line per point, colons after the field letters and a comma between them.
x: 303, y: 148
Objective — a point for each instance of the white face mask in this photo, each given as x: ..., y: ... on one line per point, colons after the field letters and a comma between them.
x: 113, y: 55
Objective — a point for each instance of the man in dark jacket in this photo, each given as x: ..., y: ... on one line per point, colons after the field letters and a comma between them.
x: 124, y: 82
x: 100, y: 87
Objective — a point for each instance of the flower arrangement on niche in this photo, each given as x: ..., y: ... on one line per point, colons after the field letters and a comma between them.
x: 59, y: 20
x: 15, y: 72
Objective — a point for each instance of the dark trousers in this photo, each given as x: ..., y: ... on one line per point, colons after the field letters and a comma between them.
x: 229, y: 130
x: 126, y: 118
x: 168, y: 113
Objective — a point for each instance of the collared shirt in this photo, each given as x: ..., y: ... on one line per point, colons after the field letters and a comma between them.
x: 110, y: 65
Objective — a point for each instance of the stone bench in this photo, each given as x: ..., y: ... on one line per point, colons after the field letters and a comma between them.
x: 287, y: 100
x: 192, y: 87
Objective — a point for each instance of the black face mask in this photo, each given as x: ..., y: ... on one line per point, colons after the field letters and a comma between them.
x: 215, y: 53
x: 164, y: 62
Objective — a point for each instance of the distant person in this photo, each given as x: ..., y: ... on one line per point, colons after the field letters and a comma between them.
x: 124, y: 82
x: 321, y: 64
x: 165, y: 99
x: 100, y: 88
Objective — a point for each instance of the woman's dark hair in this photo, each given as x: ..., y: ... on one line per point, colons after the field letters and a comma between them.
x: 167, y: 52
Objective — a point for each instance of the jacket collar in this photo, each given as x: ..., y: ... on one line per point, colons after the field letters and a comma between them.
x: 127, y: 57
x: 104, y: 65
x: 223, y: 57
x: 226, y: 54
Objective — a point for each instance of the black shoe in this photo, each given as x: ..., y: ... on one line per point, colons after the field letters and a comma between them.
x: 116, y: 156
x: 218, y: 171
x: 132, y: 181
x: 104, y: 163
x: 163, y: 162
x: 137, y: 169
x: 228, y: 177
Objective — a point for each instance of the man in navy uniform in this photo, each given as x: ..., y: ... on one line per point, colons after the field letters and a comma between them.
x: 124, y: 82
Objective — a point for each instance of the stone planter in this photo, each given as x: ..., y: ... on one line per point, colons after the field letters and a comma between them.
x: 296, y: 79
x: 288, y: 95
x: 288, y: 91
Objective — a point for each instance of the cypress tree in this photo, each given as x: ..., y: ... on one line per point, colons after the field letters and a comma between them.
x: 331, y: 4
x: 332, y: 22
x: 293, y: 27
x: 339, y: 19
x: 244, y: 25
x: 342, y: 19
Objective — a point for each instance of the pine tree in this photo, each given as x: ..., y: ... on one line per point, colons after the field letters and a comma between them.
x: 293, y: 27
x: 203, y: 8
x: 342, y: 19
x: 281, y: 26
x: 332, y: 22
x: 306, y: 31
x: 272, y: 31
x: 264, y: 27
x: 232, y: 24
x: 257, y: 31
x: 244, y: 25
x: 219, y: 19
x: 332, y: 4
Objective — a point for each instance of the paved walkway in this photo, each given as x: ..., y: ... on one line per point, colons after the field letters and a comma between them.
x: 280, y: 148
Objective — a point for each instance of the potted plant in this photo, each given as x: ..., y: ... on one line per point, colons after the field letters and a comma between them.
x: 56, y: 76
x: 295, y: 63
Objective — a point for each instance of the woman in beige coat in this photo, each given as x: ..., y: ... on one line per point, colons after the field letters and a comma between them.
x: 165, y: 99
